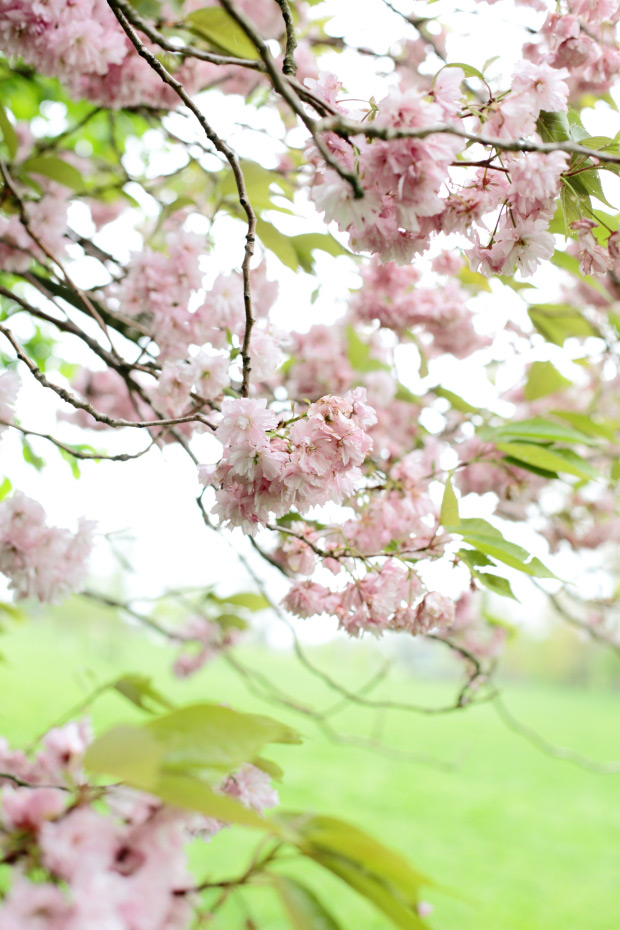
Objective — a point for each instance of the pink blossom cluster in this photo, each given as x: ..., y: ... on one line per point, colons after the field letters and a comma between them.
x: 411, y: 193
x: 581, y: 38
x: 160, y: 291
x: 83, y: 45
x: 9, y: 389
x: 41, y: 561
x: 319, y: 359
x: 585, y: 523
x: 47, y: 221
x: 401, y: 178
x: 438, y: 316
x: 268, y: 467
x: 81, y: 864
x: 385, y: 598
x: 204, y: 376
x: 203, y: 640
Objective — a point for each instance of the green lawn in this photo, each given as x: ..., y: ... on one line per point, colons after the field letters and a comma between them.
x: 520, y: 840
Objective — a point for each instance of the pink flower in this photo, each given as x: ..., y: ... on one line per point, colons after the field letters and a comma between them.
x: 252, y: 787
x: 436, y: 610
x: 593, y: 259
x: 64, y: 747
x: 80, y: 843
x: 307, y: 598
x: 535, y: 180
x: 545, y: 88
x: 245, y: 421
x: 522, y: 246
x: 43, y: 561
x: 29, y: 808
x: 30, y: 906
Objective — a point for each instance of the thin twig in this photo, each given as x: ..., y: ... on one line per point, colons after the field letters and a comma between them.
x: 346, y: 128
x: 232, y: 159
x: 550, y: 749
x: 84, y: 405
x: 77, y: 453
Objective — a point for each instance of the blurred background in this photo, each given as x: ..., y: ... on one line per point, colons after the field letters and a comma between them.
x: 514, y: 835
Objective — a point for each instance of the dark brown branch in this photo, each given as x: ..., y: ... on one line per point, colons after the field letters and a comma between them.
x: 84, y: 405
x: 289, y: 66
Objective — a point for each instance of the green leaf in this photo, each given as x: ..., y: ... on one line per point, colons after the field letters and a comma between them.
x: 139, y: 690
x: 535, y: 430
x: 449, y: 514
x: 454, y: 400
x: 589, y: 183
x: 192, y: 794
x: 8, y: 132
x: 179, y: 203
x: 559, y: 460
x: 606, y: 429
x: 489, y: 540
x: 231, y: 622
x: 403, y: 393
x: 5, y: 488
x: 359, y: 354
x: 473, y: 279
x: 553, y: 127
x: 558, y: 322
x: 73, y: 463
x: 50, y: 166
x: 128, y: 753
x: 543, y: 378
x: 495, y: 583
x: 221, y: 30
x: 304, y: 909
x: 278, y: 243
x: 213, y: 739
x: 374, y: 890
x: 330, y: 835
x: 30, y: 455
x: 259, y: 182
x: 246, y: 599
x: 306, y: 243
x: 473, y: 558
x: 468, y: 70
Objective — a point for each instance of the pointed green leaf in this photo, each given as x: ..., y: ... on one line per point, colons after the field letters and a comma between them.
x: 221, y: 30
x: 543, y: 378
x: 359, y: 354
x: 139, y: 690
x: 304, y: 909
x: 449, y: 514
x: 57, y: 169
x: 559, y: 460
x: 8, y: 132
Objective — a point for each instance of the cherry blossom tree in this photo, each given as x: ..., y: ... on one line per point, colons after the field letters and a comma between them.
x: 473, y: 203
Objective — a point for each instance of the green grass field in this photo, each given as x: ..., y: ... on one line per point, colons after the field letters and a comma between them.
x: 521, y: 841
